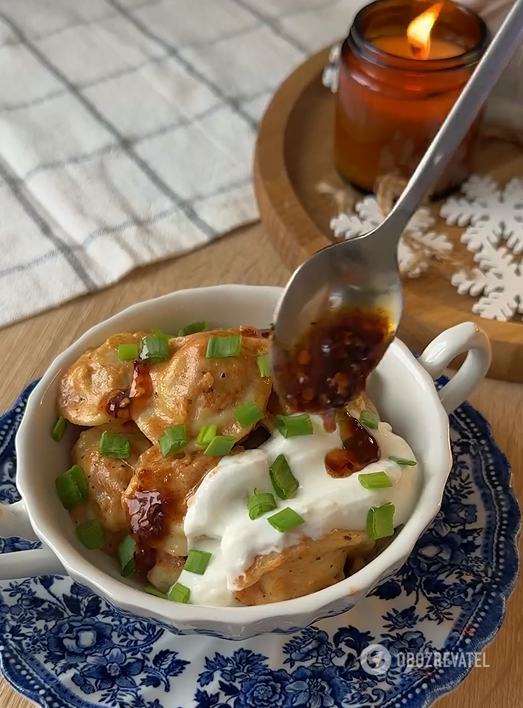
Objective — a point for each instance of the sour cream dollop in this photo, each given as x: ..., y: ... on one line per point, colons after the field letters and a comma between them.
x: 217, y: 518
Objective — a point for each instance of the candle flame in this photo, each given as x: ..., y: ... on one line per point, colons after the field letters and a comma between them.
x: 418, y: 32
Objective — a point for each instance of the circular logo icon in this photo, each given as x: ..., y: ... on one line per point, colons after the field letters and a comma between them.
x: 375, y: 660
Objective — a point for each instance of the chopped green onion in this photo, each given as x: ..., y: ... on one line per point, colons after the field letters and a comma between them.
x: 179, y: 593
x: 248, y: 414
x: 114, y: 445
x: 127, y: 352
x: 206, y: 434
x: 220, y: 445
x: 197, y: 562
x: 174, y: 437
x: 71, y: 486
x: 193, y: 328
x: 220, y: 347
x: 262, y: 362
x: 164, y: 335
x: 125, y: 555
x: 58, y: 429
x: 154, y: 348
x: 67, y: 490
x: 402, y: 461
x: 91, y: 534
x: 260, y: 503
x: 81, y: 480
x: 285, y: 520
x: 284, y: 482
x: 290, y: 426
x: 369, y: 419
x: 374, y: 480
x: 157, y: 593
x: 380, y: 521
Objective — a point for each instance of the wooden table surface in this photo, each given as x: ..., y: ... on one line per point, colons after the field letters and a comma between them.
x: 246, y: 256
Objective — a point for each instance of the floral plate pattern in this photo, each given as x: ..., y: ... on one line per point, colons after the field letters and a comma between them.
x: 62, y: 646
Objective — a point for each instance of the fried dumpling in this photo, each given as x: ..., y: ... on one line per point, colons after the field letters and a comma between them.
x: 156, y: 498
x: 165, y: 571
x: 312, y: 565
x: 108, y: 477
x: 95, y: 389
x: 195, y: 390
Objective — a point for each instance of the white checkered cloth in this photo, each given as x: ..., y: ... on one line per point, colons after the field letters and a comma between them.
x: 127, y: 129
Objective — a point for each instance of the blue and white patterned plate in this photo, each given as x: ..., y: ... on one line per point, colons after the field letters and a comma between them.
x: 61, y: 646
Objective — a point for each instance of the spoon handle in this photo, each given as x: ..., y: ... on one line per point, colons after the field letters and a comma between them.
x: 460, y: 117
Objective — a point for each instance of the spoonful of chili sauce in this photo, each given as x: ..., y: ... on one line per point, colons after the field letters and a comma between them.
x: 329, y: 364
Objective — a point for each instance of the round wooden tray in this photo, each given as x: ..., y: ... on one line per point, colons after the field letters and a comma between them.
x: 294, y: 154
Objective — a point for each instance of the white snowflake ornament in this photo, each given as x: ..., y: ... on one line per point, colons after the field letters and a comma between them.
x: 330, y: 73
x: 414, y: 263
x: 348, y: 226
x: 414, y: 257
x: 498, y: 281
x: 489, y: 213
x: 369, y: 210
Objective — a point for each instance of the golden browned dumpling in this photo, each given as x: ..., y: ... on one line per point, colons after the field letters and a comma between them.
x: 192, y: 389
x: 312, y: 565
x: 108, y: 477
x: 166, y: 570
x: 94, y: 390
x: 156, y: 499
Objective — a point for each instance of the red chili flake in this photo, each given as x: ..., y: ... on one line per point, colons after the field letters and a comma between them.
x: 145, y: 511
x: 141, y: 384
x: 117, y: 403
x: 329, y: 421
x: 304, y: 357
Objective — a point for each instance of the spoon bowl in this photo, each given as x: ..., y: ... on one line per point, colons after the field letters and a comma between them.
x: 351, y: 273
x: 325, y: 289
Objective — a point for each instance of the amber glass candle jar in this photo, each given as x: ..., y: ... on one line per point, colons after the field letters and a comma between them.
x: 389, y: 107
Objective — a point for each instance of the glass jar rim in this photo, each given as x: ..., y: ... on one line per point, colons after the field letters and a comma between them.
x: 374, y: 54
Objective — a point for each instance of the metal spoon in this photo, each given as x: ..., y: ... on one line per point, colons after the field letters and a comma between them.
x: 363, y: 272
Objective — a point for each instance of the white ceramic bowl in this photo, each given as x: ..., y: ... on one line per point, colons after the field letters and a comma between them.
x: 402, y: 388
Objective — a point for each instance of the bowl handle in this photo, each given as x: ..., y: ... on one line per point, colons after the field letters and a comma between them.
x: 14, y: 521
x: 465, y: 337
